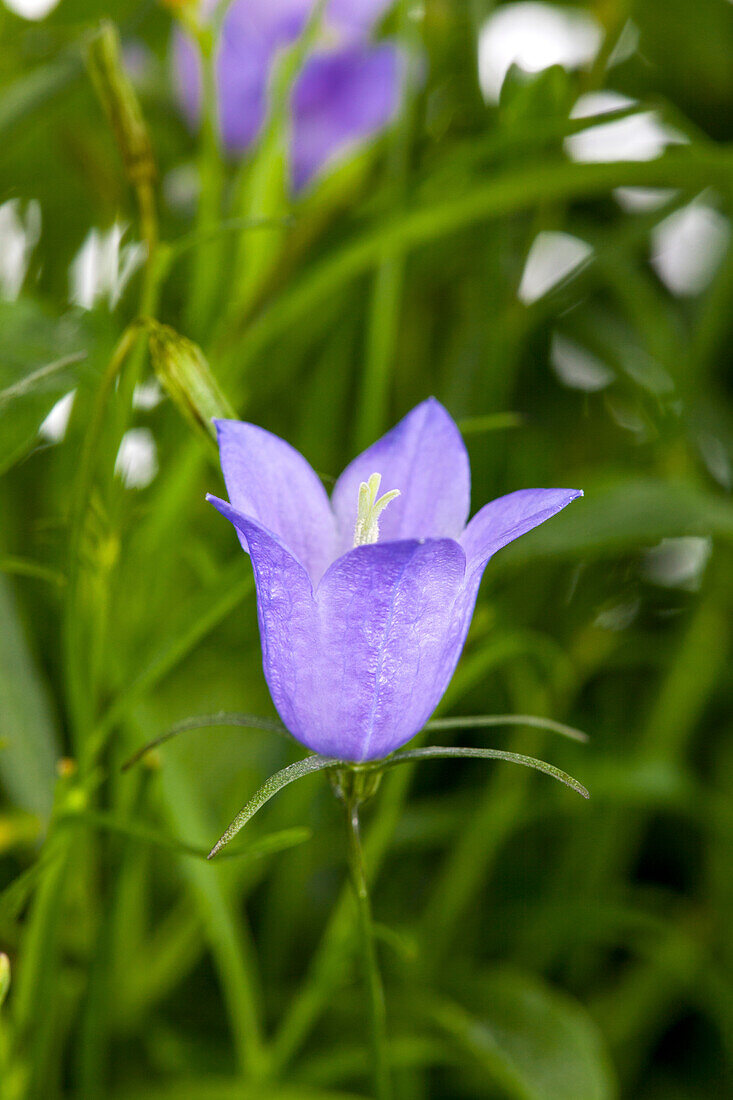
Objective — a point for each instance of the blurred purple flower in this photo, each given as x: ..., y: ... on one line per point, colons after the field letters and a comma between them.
x: 359, y: 642
x: 346, y: 92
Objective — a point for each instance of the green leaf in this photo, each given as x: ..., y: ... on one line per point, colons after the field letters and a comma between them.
x: 235, y: 1089
x: 208, y: 721
x: 490, y: 422
x: 28, y: 762
x: 32, y: 90
x: 485, y: 720
x: 507, y: 193
x: 535, y: 97
x: 436, y: 752
x: 4, y: 976
x: 17, y: 893
x: 274, y: 784
x: 33, y: 375
x: 206, y: 610
x: 267, y: 845
x: 535, y: 1042
x: 23, y: 567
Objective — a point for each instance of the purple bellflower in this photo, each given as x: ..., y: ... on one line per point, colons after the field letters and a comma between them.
x: 347, y: 91
x: 364, y: 602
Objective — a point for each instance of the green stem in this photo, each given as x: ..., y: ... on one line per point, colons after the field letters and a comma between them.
x: 207, y: 259
x: 386, y: 301
x: 375, y: 989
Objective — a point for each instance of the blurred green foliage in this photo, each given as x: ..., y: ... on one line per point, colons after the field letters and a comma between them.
x: 535, y: 946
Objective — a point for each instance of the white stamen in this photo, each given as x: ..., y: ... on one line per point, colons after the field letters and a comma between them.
x: 369, y: 509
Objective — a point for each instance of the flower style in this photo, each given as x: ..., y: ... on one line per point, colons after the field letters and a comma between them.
x: 347, y: 91
x: 364, y: 603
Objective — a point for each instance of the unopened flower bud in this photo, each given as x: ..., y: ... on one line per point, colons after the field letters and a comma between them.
x: 121, y: 105
x: 186, y: 376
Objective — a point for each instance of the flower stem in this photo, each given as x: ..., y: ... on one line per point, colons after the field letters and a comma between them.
x: 373, y: 978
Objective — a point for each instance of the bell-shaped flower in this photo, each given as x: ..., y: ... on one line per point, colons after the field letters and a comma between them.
x: 364, y: 602
x: 348, y: 89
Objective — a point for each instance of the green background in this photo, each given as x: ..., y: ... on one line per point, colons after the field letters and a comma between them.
x: 533, y: 945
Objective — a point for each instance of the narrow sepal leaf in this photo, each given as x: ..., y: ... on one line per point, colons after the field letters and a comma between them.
x: 437, y: 751
x: 269, y: 788
x: 207, y: 721
x: 485, y: 720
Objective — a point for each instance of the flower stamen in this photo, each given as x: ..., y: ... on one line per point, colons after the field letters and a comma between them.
x: 369, y: 509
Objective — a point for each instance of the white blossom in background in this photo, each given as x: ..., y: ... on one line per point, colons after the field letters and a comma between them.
x: 19, y: 234
x: 678, y: 563
x: 137, y: 458
x: 103, y: 266
x: 578, y: 368
x: 32, y: 9
x: 640, y: 200
x: 688, y: 246
x: 181, y: 187
x: 534, y: 36
x: 53, y: 428
x: 641, y: 136
x: 618, y: 617
x: 716, y: 457
x: 147, y: 395
x: 551, y: 258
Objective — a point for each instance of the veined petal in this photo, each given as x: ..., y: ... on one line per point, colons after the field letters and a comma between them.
x: 508, y: 517
x: 392, y: 628
x: 341, y: 98
x: 356, y: 670
x: 425, y: 458
x: 288, y: 619
x: 270, y: 482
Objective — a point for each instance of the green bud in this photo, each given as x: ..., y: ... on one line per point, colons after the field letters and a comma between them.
x: 186, y: 376
x: 355, y: 784
x: 4, y: 976
x: 120, y: 103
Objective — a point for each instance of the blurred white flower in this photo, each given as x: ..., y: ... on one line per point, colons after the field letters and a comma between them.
x: 576, y: 367
x: 147, y: 395
x: 618, y: 617
x: 641, y: 136
x: 688, y: 246
x: 181, y: 187
x: 551, y: 258
x: 137, y: 458
x: 715, y: 455
x: 678, y: 563
x: 32, y: 9
x: 19, y: 234
x: 534, y: 36
x: 53, y: 428
x: 103, y: 266
x: 640, y: 200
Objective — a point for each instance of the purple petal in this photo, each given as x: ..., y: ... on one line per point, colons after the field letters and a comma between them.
x: 508, y: 517
x: 356, y: 18
x: 340, y: 99
x: 288, y: 618
x: 357, y: 670
x: 425, y: 458
x: 393, y: 626
x: 251, y: 34
x: 271, y: 482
